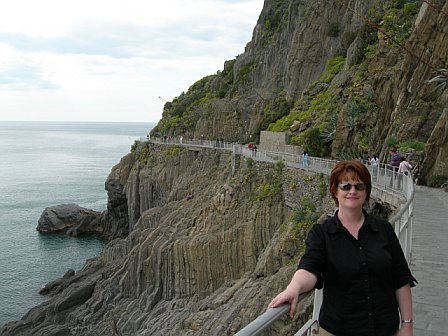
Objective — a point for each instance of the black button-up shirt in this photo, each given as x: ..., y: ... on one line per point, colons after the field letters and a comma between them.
x: 359, y: 276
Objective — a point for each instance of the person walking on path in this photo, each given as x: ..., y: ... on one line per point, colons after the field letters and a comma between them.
x: 358, y: 261
x: 403, y: 169
x: 374, y: 162
x: 305, y: 158
x: 394, y: 163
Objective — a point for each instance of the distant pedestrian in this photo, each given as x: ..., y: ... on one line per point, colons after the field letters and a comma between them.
x: 305, y: 158
x: 403, y: 169
x: 250, y: 147
x: 365, y: 159
x: 190, y: 196
x: 374, y: 162
x: 394, y: 163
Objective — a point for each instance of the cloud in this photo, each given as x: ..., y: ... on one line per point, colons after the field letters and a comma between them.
x: 24, y: 77
x: 85, y: 51
x: 18, y: 72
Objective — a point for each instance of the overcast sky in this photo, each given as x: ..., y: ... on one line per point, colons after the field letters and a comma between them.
x: 113, y: 60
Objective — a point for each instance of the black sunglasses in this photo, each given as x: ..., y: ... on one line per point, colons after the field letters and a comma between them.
x: 348, y: 186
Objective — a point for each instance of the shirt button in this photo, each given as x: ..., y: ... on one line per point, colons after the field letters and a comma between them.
x: 360, y: 247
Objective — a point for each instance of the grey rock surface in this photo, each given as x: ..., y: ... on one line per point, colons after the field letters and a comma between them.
x: 70, y: 219
x: 206, y: 266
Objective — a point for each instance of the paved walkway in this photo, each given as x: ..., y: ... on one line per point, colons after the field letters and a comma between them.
x: 429, y: 262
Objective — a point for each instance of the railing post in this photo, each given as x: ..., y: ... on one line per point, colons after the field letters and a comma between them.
x: 318, y: 298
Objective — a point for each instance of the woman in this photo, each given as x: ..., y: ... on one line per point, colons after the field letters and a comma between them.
x: 358, y: 261
x: 403, y: 169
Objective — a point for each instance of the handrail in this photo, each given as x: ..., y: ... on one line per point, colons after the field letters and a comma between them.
x: 384, y: 178
x: 264, y: 321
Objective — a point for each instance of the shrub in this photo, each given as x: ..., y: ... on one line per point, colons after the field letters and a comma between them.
x: 303, y: 217
x: 406, y: 146
x: 267, y: 191
x: 242, y: 76
x: 283, y: 124
x: 313, y: 141
x: 370, y: 51
x: 172, y: 151
x: 279, y: 166
x: 398, y: 19
x: 392, y: 141
x: 334, y: 66
x: 437, y: 181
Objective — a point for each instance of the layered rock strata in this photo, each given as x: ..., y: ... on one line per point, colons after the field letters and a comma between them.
x: 205, y: 266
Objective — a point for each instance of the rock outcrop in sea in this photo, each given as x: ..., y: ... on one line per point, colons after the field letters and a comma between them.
x: 70, y: 219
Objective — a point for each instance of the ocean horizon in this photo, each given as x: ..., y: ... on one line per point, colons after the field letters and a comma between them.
x: 44, y: 164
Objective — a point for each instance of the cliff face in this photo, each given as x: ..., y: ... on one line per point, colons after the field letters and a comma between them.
x: 204, y: 266
x: 353, y: 73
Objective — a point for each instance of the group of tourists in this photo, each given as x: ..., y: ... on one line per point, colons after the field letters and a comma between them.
x: 219, y: 142
x: 252, y: 147
x: 397, y: 166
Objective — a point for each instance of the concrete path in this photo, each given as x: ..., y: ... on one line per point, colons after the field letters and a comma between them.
x: 429, y: 262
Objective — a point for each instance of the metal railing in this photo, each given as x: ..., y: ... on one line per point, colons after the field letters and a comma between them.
x: 385, y: 179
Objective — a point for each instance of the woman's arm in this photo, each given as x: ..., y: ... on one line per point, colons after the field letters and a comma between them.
x: 404, y: 298
x: 302, y: 282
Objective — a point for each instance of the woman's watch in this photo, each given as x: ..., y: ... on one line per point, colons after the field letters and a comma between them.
x: 407, y: 321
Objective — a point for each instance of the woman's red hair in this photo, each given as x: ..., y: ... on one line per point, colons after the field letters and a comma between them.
x: 350, y: 169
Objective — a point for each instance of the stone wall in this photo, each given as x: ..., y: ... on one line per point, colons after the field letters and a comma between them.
x: 277, y: 142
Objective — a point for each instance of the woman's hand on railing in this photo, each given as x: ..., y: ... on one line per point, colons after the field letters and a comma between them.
x: 288, y: 295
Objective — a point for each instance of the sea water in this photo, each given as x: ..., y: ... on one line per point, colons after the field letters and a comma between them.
x: 44, y: 164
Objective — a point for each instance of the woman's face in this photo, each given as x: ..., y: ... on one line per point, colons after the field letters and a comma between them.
x: 353, y: 198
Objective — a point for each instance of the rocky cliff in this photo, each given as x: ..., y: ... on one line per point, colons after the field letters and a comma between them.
x: 354, y: 76
x: 203, y: 266
x: 209, y: 265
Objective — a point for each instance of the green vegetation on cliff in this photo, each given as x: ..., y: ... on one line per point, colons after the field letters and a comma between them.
x: 342, y: 75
